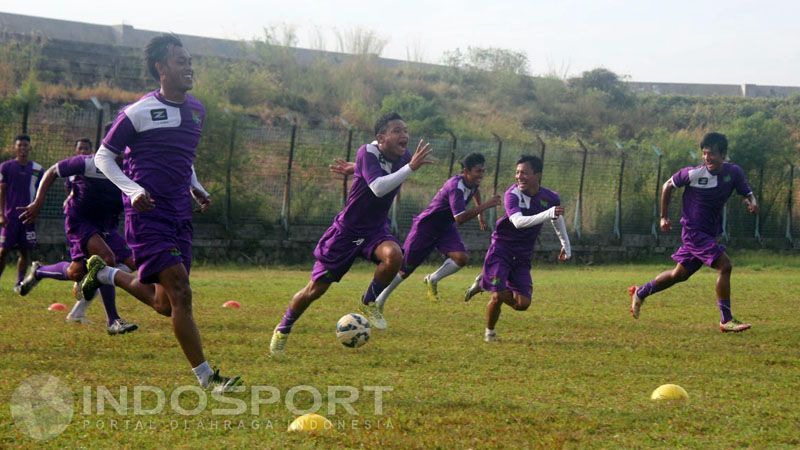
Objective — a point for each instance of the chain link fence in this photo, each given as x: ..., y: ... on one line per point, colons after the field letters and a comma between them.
x: 277, y: 177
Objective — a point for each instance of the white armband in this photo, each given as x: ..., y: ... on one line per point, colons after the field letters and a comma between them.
x: 560, y: 227
x: 383, y: 185
x: 520, y: 221
x: 196, y: 184
x: 105, y: 160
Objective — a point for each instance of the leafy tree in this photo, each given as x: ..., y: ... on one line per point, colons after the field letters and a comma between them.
x: 422, y: 116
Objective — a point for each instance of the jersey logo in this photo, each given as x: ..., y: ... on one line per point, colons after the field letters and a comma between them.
x: 543, y: 203
x: 174, y: 252
x: 495, y: 281
x: 358, y: 241
x: 158, y: 114
x: 726, y: 178
x: 196, y: 117
x: 702, y: 181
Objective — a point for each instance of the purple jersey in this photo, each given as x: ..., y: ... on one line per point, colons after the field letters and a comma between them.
x: 450, y: 201
x: 159, y: 139
x: 520, y: 241
x: 92, y: 196
x: 365, y: 213
x: 21, y: 183
x: 706, y: 193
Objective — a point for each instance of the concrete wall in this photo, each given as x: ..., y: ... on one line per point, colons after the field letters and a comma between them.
x: 84, y: 54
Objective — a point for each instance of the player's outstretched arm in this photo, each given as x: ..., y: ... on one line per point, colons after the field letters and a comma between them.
x: 342, y: 167
x: 31, y: 212
x: 481, y: 219
x: 520, y: 221
x: 105, y: 160
x: 478, y: 209
x: 383, y: 185
x: 666, y: 195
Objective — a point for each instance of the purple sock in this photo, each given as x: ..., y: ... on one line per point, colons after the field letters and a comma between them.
x: 724, y: 310
x: 57, y: 271
x: 373, y: 291
x: 109, y: 296
x: 647, y: 289
x: 289, y: 318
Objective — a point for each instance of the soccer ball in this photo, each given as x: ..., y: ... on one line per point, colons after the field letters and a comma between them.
x: 352, y: 330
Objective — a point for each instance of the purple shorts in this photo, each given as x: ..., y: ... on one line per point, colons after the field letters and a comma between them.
x: 16, y: 234
x: 80, y: 231
x: 502, y: 271
x: 423, y: 238
x: 697, y: 248
x: 337, y: 249
x: 158, y: 243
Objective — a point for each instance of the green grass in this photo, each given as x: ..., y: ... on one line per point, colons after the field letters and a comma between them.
x: 574, y: 371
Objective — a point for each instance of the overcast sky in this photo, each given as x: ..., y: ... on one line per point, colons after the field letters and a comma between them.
x: 698, y: 41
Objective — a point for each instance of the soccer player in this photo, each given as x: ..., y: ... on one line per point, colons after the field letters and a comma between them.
x: 436, y: 227
x: 19, y: 178
x: 91, y: 212
x: 507, y: 267
x: 362, y: 227
x: 706, y: 189
x: 158, y: 136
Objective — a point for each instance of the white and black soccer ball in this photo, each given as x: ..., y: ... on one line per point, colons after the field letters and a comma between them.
x: 353, y: 330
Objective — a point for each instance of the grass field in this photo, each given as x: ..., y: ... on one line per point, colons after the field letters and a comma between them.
x: 574, y: 371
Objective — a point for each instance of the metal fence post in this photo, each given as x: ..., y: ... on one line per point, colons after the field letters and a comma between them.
x: 579, y: 206
x: 789, y: 206
x: 542, y: 147
x: 348, y: 153
x: 228, y: 171
x: 493, y: 211
x: 99, y: 108
x: 757, y: 233
x: 25, y: 112
x: 618, y: 212
x: 452, y: 153
x: 287, y: 189
x: 656, y: 225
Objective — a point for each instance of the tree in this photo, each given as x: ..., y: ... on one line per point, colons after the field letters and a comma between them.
x: 422, y: 116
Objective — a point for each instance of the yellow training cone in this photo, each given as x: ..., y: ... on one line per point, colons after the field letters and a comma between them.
x: 311, y: 422
x: 669, y: 392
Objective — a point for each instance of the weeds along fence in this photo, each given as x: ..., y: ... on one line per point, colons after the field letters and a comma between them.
x: 276, y: 178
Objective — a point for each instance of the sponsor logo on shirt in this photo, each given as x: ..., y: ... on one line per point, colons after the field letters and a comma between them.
x: 702, y: 181
x: 158, y: 115
x: 726, y: 178
x: 196, y: 117
x: 543, y: 203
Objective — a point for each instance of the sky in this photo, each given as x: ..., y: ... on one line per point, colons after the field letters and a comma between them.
x: 700, y: 41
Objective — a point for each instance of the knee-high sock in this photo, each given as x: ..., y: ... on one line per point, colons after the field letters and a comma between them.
x: 57, y: 271
x: 448, y: 268
x: 724, y: 310
x: 288, y: 320
x: 381, y: 300
x: 647, y: 289
x: 373, y: 291
x: 109, y: 296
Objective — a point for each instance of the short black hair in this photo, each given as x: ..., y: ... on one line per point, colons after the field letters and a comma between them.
x: 84, y: 140
x: 22, y: 137
x: 383, y: 122
x: 157, y: 50
x: 533, y: 161
x: 472, y: 160
x: 715, y: 142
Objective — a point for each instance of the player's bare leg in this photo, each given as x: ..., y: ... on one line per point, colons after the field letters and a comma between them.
x: 727, y: 322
